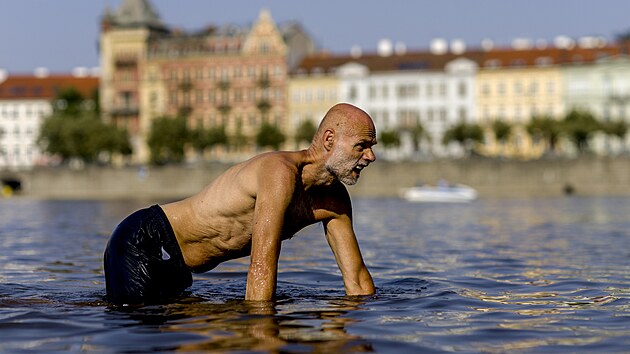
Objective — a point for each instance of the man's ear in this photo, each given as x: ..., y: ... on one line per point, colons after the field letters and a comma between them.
x: 329, y: 139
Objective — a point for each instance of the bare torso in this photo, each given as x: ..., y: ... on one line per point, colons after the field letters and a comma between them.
x: 216, y: 224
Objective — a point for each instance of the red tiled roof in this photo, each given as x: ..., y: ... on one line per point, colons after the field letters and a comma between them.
x: 548, y: 56
x: 30, y: 87
x: 425, y: 60
x: 409, y: 61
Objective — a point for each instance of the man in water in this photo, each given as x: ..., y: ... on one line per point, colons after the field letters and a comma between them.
x: 249, y: 210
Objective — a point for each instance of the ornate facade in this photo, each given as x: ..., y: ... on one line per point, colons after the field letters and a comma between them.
x: 229, y: 76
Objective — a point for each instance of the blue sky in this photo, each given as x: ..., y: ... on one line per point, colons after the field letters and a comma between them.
x: 62, y: 34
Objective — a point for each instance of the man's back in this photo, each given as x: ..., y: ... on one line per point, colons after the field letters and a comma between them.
x: 216, y: 224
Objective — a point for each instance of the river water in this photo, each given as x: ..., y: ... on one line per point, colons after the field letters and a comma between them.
x: 492, y: 276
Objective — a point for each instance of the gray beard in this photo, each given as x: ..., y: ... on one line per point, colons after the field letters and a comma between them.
x: 334, y: 167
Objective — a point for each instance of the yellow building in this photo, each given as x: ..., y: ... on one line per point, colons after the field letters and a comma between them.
x: 312, y: 91
x: 515, y: 85
x: 514, y: 96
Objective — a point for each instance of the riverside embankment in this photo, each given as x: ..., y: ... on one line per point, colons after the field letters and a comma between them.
x: 587, y: 176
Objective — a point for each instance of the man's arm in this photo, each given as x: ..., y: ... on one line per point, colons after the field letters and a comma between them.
x: 276, y: 184
x: 343, y: 242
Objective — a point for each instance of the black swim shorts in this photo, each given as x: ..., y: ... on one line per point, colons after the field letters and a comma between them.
x: 143, y: 262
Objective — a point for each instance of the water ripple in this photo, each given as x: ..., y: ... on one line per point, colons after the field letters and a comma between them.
x: 493, y: 276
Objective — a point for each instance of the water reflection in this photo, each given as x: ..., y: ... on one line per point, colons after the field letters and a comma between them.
x: 259, y: 326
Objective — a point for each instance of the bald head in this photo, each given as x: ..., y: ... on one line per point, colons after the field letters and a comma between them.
x: 345, y: 119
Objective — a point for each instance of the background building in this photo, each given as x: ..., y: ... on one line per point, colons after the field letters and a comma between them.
x: 601, y: 87
x: 25, y: 101
x: 235, y: 77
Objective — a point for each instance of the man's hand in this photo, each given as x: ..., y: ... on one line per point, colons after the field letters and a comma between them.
x: 343, y: 242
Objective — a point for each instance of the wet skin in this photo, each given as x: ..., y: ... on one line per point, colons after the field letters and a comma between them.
x: 252, y: 207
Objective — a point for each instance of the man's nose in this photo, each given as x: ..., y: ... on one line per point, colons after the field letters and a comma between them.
x: 368, y: 155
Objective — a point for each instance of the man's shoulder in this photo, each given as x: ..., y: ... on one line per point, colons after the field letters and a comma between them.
x: 276, y: 161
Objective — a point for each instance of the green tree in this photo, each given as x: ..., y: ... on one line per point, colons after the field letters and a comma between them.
x: 69, y: 101
x: 464, y: 134
x: 198, y: 139
x: 270, y: 135
x: 417, y: 132
x: 75, y: 131
x: 167, y: 139
x: 217, y: 136
x: 83, y: 137
x: 545, y: 128
x: 305, y: 132
x: 502, y: 130
x: 579, y: 126
x: 389, y: 138
x: 202, y: 139
x: 618, y: 129
x: 238, y: 140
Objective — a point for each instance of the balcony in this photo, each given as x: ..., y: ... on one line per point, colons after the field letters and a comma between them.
x: 124, y: 110
x: 125, y: 63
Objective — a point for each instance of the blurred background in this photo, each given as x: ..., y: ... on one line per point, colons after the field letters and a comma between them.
x: 136, y: 83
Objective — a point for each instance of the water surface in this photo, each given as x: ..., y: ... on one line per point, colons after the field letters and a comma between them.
x: 493, y: 276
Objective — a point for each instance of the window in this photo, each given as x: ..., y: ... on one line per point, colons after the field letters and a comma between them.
x: 492, y: 63
x: 518, y: 88
x: 332, y: 94
x: 443, y: 90
x: 543, y: 61
x: 278, y: 71
x: 463, y: 114
x: 238, y: 95
x: 321, y: 95
x: 264, y: 48
x: 352, y: 93
x: 485, y: 89
x: 462, y: 89
x: 173, y: 98
x: 443, y: 114
x: 153, y: 98
x: 501, y: 88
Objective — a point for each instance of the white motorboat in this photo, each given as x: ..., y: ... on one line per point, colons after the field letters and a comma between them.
x: 457, y: 193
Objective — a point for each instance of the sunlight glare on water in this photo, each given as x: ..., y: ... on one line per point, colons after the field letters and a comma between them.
x: 537, y: 275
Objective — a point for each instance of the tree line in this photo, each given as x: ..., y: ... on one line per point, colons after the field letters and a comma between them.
x: 577, y: 127
x: 76, y: 131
